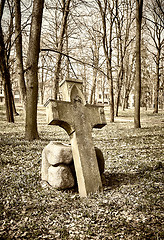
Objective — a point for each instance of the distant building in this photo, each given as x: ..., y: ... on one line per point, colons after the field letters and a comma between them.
x: 102, y: 92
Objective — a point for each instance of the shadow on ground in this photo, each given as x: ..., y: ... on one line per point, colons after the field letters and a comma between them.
x: 115, y: 180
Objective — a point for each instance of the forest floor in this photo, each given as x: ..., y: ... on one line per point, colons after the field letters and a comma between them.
x: 130, y: 207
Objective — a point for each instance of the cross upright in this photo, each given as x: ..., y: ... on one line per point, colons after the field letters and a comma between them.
x: 78, y: 119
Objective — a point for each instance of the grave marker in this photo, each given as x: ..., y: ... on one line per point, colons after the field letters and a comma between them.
x: 78, y: 119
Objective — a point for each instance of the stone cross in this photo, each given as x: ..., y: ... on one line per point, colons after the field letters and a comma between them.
x: 78, y: 119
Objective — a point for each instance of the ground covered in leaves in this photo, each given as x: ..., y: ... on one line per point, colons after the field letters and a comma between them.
x: 130, y: 207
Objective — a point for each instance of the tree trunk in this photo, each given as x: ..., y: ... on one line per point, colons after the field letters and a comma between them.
x: 42, y: 86
x: 120, y: 81
x: 31, y: 131
x: 156, y: 34
x: 109, y: 61
x: 7, y: 89
x: 67, y: 60
x: 111, y: 104
x: 91, y: 100
x: 5, y: 72
x: 85, y: 84
x: 19, y: 57
x: 156, y: 97
x: 120, y: 59
x: 13, y: 105
x: 130, y: 78
x: 60, y: 48
x: 139, y: 4
x: 108, y: 52
x: 95, y: 63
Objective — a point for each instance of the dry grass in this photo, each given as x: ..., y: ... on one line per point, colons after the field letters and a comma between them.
x: 131, y: 206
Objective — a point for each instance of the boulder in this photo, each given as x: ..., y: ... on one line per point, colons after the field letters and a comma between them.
x: 58, y: 166
x: 55, y: 153
x: 60, y: 177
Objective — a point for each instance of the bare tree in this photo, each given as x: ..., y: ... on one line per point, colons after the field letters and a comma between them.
x: 107, y: 8
x: 139, y: 6
x: 129, y: 78
x: 159, y: 10
x: 124, y: 23
x: 155, y: 31
x: 120, y: 58
x: 95, y: 48
x: 60, y: 46
x: 4, y: 68
x: 31, y: 131
x: 19, y: 55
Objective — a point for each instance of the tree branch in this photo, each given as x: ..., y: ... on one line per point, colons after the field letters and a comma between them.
x: 70, y: 57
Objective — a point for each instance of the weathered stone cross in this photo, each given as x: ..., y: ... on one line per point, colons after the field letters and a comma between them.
x: 78, y: 119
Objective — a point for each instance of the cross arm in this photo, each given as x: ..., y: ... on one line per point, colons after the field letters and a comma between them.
x: 96, y: 115
x: 59, y: 113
